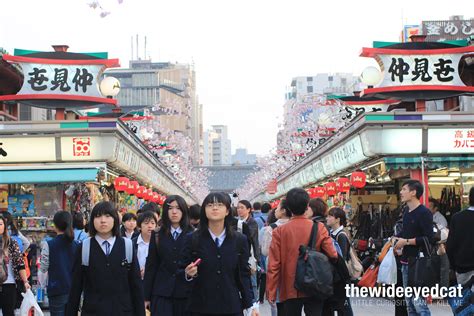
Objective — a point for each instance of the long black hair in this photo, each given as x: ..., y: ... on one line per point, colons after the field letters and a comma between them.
x: 63, y: 222
x: 217, y: 197
x: 184, y: 222
x: 104, y: 208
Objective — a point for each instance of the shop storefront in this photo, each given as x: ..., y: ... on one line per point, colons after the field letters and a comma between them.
x: 62, y: 165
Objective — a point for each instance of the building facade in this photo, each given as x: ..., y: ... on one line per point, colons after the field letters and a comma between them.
x: 242, y: 157
x: 216, y: 147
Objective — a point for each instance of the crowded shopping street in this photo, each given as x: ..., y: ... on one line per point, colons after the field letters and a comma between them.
x: 236, y: 158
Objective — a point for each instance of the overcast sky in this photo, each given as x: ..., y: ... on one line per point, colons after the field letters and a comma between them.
x: 245, y: 52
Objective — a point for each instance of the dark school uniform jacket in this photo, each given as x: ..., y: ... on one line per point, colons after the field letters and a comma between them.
x: 111, y: 286
x: 162, y: 277
x: 223, y: 283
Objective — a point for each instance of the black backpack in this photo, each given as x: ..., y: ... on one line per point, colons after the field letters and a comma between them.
x: 314, y: 272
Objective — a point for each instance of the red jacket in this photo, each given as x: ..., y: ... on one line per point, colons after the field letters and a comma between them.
x: 284, y: 251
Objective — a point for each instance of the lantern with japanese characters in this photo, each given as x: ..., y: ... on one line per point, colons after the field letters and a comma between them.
x: 343, y: 185
x: 121, y: 184
x: 132, y: 187
x: 320, y: 192
x: 140, y: 192
x: 156, y: 197
x: 330, y: 188
x: 358, y: 179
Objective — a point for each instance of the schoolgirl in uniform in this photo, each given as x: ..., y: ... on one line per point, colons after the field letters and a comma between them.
x: 215, y: 258
x: 166, y: 290
x: 110, y: 282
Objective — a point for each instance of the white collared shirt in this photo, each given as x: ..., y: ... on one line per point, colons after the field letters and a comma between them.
x: 335, y: 232
x: 220, y: 238
x: 178, y: 230
x: 111, y: 241
x: 142, y: 251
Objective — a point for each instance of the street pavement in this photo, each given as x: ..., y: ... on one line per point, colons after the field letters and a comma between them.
x: 369, y: 306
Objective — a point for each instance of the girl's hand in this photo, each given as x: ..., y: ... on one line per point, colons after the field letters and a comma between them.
x: 191, y: 270
x: 27, y: 286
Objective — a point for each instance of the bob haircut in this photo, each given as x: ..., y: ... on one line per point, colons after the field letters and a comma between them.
x: 104, y: 208
x: 216, y: 197
x: 283, y: 206
x: 128, y: 217
x: 78, y: 220
x: 145, y: 217
x: 184, y: 222
x: 246, y: 204
x: 338, y: 212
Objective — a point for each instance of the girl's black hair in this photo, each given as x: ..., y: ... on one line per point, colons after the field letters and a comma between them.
x: 104, y: 208
x: 183, y: 206
x: 63, y: 222
x: 338, y: 212
x: 246, y: 203
x: 216, y: 197
x: 283, y: 206
x: 128, y: 216
x: 271, y: 217
x: 10, y: 223
x: 78, y: 220
x: 146, y: 217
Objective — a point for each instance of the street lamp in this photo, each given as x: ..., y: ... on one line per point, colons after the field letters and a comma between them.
x: 109, y: 87
x: 371, y: 76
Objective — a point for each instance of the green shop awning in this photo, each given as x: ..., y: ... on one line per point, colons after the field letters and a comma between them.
x: 395, y: 163
x: 47, y: 176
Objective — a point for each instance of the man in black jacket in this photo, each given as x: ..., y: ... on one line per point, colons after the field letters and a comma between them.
x: 460, y: 244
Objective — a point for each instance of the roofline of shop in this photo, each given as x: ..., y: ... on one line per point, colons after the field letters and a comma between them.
x: 399, y: 120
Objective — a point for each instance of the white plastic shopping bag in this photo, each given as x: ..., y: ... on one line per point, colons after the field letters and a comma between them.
x: 388, y: 269
x: 43, y: 279
x: 29, y: 302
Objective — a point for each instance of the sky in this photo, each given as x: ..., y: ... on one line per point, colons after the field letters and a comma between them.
x: 245, y: 52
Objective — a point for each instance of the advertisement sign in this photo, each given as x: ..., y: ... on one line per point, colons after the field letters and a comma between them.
x: 21, y: 205
x: 451, y: 140
x: 447, y: 30
x: 27, y: 149
x: 348, y: 154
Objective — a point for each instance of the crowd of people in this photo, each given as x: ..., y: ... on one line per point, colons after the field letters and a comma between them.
x: 217, y: 259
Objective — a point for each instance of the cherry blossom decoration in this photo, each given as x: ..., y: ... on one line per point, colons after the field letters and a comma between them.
x: 104, y: 6
x: 308, y: 123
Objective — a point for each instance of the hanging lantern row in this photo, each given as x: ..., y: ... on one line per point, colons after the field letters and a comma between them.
x: 342, y: 185
x: 123, y: 184
x: 275, y: 204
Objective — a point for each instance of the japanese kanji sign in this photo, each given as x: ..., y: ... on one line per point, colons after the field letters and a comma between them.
x: 453, y: 140
x: 402, y: 70
x: 61, y: 79
x: 81, y: 146
x: 447, y: 30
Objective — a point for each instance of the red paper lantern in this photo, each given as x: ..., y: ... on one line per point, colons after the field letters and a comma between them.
x: 121, y: 184
x: 156, y: 197
x: 358, y: 179
x: 150, y: 194
x: 140, y: 192
x: 132, y: 187
x: 343, y: 185
x: 162, y: 200
x: 330, y: 188
x: 320, y: 192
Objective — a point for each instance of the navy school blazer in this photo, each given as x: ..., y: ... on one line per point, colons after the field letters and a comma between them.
x: 223, y: 283
x: 110, y: 285
x: 162, y: 277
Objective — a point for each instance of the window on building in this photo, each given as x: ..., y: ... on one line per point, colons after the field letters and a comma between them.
x: 343, y: 81
x: 309, y: 79
x: 331, y: 78
x: 309, y: 89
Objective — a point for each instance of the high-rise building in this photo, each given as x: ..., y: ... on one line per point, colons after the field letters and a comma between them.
x: 166, y: 89
x: 241, y: 157
x: 216, y: 147
x: 341, y: 84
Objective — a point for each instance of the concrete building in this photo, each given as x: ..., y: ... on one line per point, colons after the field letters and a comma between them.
x: 241, y: 157
x: 166, y: 89
x: 216, y: 147
x: 341, y: 84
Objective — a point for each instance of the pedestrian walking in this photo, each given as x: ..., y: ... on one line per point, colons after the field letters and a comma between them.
x: 283, y: 256
x: 129, y: 226
x: 460, y: 244
x: 106, y: 270
x: 78, y: 224
x: 215, y: 258
x: 57, y: 258
x: 417, y: 228
x: 13, y: 267
x: 166, y: 289
x: 147, y: 223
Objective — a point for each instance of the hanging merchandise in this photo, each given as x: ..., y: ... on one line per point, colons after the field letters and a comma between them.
x: 330, y: 188
x: 121, y: 184
x: 358, y: 179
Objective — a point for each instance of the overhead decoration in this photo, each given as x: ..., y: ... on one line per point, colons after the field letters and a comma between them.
x: 343, y: 185
x: 358, y: 179
x: 121, y: 184
x: 330, y: 188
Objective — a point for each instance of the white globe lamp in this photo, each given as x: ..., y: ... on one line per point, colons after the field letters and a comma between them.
x: 371, y: 76
x: 109, y: 87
